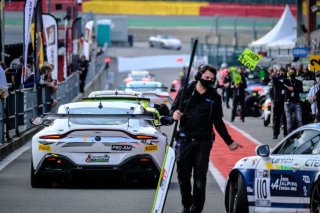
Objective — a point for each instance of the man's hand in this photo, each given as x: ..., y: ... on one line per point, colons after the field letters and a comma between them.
x: 177, y: 115
x: 234, y: 146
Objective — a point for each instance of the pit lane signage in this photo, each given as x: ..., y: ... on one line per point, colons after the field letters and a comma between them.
x: 164, y: 180
x: 315, y: 62
x: 249, y: 59
x: 300, y: 52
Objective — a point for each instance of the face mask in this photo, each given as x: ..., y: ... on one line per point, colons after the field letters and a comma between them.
x: 206, y: 83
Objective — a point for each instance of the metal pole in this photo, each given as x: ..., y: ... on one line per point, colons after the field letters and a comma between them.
x: 2, y: 31
x: 49, y: 6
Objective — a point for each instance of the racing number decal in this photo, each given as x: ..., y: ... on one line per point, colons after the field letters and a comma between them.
x: 262, y: 191
x: 261, y: 185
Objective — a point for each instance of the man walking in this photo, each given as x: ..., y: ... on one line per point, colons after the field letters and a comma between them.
x: 200, y: 109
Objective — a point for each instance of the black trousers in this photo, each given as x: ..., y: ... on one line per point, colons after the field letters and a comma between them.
x: 238, y: 100
x: 279, y: 117
x: 193, y: 156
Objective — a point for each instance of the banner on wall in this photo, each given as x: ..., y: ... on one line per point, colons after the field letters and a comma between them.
x: 76, y: 43
x: 51, y: 37
x: 39, y: 57
x: 87, y: 39
x: 28, y: 14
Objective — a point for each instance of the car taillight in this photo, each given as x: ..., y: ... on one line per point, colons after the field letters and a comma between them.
x: 51, y: 137
x: 144, y: 137
x: 144, y: 159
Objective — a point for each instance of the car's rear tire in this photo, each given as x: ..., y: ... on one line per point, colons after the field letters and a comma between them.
x: 315, y: 198
x: 38, y: 182
x: 151, y: 44
x: 237, y: 196
x: 266, y: 122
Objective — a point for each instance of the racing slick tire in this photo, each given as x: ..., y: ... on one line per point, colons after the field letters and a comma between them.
x: 236, y: 196
x: 315, y: 198
x: 38, y: 182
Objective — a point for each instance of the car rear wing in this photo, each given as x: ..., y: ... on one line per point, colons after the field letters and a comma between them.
x: 116, y: 98
x: 52, y: 116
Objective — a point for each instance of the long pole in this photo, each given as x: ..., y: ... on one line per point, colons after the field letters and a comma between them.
x: 184, y: 88
x: 2, y: 31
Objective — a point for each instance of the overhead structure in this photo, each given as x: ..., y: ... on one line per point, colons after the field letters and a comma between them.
x: 282, y: 36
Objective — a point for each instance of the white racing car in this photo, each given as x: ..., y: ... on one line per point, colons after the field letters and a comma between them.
x: 154, y: 90
x: 286, y: 179
x: 165, y: 41
x: 109, y: 140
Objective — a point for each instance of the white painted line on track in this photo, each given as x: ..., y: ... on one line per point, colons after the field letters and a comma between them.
x: 244, y: 133
x: 14, y: 155
x: 221, y: 181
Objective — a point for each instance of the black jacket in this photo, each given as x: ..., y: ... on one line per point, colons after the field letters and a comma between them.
x: 278, y: 90
x: 240, y: 91
x: 294, y: 96
x: 202, y: 113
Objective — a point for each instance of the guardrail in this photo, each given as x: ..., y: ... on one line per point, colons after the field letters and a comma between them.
x: 21, y: 105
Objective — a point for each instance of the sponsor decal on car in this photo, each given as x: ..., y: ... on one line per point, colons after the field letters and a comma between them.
x: 282, y: 160
x: 97, y: 158
x: 45, y: 148
x: 306, y: 178
x: 121, y: 147
x: 312, y: 163
x: 277, y: 166
x: 284, y: 184
x: 152, y: 148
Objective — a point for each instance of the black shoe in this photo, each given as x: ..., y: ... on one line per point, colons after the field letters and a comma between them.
x: 186, y: 210
x: 275, y: 137
x: 242, y: 120
x: 193, y: 209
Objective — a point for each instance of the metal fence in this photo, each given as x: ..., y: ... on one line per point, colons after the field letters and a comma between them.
x: 218, y: 54
x: 21, y: 105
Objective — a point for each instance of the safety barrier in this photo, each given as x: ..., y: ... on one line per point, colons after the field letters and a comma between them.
x: 218, y: 54
x: 143, y: 7
x: 21, y: 105
x: 244, y: 10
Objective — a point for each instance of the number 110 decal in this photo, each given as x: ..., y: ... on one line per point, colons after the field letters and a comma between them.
x: 262, y: 192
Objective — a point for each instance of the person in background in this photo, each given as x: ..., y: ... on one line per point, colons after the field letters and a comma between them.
x: 9, y: 73
x: 238, y: 96
x: 51, y: 83
x: 228, y: 88
x: 220, y: 76
x: 292, y: 99
x: 201, y: 108
x: 307, y: 74
x: 312, y: 98
x: 277, y: 95
x: 83, y: 71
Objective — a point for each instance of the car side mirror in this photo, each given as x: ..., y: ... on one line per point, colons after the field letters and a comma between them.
x: 37, y: 121
x: 263, y: 150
